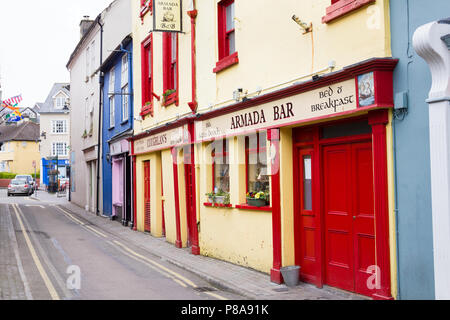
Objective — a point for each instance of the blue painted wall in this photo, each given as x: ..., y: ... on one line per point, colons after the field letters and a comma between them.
x: 120, y: 126
x: 412, y: 156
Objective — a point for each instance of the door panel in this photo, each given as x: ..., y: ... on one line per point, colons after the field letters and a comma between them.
x: 310, y: 268
x: 338, y: 217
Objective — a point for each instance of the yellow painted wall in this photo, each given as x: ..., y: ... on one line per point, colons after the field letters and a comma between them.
x: 21, y: 155
x: 242, y: 237
x: 140, y: 32
x: 273, y: 50
x: 169, y: 196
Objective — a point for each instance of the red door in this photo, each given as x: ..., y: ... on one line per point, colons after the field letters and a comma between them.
x: 147, y: 196
x: 348, y: 216
x: 188, y: 172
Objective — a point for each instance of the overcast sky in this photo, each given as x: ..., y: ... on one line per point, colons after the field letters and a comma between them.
x: 36, y: 40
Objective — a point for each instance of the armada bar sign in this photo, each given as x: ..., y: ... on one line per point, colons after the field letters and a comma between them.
x: 160, y: 141
x: 317, y: 103
x: 167, y: 15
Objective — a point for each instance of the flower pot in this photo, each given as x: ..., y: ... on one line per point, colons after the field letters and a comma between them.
x: 256, y: 202
x: 219, y: 199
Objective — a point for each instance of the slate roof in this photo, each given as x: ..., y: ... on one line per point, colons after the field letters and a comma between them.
x: 49, y: 106
x: 25, y: 131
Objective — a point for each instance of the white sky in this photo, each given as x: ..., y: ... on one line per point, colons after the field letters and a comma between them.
x: 36, y: 40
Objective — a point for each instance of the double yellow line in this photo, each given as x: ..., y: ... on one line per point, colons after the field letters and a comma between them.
x: 178, y: 278
x: 37, y: 261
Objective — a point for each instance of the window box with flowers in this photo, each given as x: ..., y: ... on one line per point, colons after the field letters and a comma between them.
x: 147, y: 109
x: 169, y: 97
x: 219, y: 198
x: 258, y: 199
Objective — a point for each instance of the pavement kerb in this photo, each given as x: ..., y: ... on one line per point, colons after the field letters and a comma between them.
x: 220, y: 283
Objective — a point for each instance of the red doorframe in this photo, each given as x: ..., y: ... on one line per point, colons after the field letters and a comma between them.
x: 178, y: 242
x: 378, y: 120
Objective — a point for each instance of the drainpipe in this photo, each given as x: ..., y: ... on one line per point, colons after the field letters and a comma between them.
x: 100, y: 116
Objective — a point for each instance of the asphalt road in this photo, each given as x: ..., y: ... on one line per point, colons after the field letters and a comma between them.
x: 62, y: 256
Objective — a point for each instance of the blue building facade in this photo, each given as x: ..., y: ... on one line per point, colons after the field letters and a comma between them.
x: 412, y: 81
x: 117, y: 126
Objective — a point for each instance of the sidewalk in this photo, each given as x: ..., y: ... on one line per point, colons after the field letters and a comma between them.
x: 240, y: 280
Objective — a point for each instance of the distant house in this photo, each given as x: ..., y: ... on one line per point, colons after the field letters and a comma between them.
x: 55, y: 132
x: 19, y: 147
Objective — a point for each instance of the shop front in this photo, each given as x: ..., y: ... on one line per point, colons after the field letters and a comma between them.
x: 121, y: 181
x: 318, y: 156
x: 165, y: 197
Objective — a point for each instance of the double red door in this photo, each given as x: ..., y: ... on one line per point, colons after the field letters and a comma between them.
x: 337, y: 221
x: 349, y: 220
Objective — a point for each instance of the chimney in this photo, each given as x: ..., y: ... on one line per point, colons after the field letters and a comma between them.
x: 85, y: 24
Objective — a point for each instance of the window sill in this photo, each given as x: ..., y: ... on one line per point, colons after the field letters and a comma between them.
x: 226, y: 62
x: 217, y: 205
x: 247, y: 207
x: 124, y: 122
x: 111, y: 128
x: 342, y: 8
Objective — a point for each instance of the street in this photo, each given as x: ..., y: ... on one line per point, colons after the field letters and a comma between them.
x: 49, y: 253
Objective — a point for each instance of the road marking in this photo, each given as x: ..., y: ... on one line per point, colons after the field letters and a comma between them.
x: 216, y: 296
x: 148, y: 264
x: 179, y: 276
x: 67, y: 214
x: 37, y: 262
x: 35, y: 205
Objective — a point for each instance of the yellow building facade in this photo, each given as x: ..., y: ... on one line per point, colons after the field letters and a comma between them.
x: 20, y: 148
x: 281, y: 115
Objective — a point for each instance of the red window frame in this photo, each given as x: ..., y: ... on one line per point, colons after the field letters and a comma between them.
x: 226, y: 59
x: 146, y: 6
x: 249, y: 151
x: 224, y: 155
x: 339, y: 8
x: 147, y: 75
x: 170, y: 68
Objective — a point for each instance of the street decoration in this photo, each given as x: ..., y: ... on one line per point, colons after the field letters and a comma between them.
x: 12, y: 104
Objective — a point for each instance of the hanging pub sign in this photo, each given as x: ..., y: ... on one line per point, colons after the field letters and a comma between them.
x: 167, y: 15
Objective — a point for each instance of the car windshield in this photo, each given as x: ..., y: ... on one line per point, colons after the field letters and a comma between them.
x: 18, y: 182
x: 23, y: 177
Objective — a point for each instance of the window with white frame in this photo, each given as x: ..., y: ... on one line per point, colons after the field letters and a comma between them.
x: 59, y: 149
x: 88, y: 58
x: 60, y: 102
x: 93, y: 57
x: 112, y: 80
x: 59, y: 126
x: 86, y: 115
x: 124, y: 70
x: 112, y: 113
x: 125, y: 103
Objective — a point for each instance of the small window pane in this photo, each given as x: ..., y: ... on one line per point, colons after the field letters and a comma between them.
x: 346, y: 129
x: 230, y: 16
x: 307, y: 183
x: 231, y: 41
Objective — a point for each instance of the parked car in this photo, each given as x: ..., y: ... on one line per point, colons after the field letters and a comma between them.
x: 19, y: 186
x: 28, y: 178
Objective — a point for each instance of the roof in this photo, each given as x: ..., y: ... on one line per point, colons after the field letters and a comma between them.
x: 24, y: 131
x: 49, y: 106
